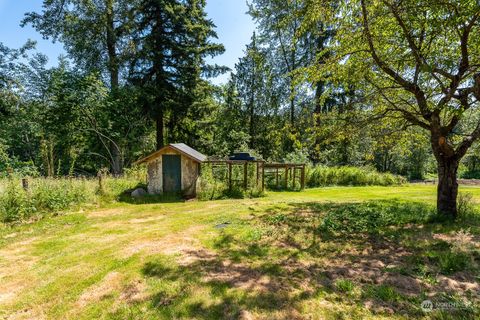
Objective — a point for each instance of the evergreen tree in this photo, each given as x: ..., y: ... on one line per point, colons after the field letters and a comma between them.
x: 173, y: 42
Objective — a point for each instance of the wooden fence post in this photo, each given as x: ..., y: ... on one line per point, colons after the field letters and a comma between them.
x: 263, y: 176
x: 277, y: 177
x: 25, y: 185
x: 229, y: 176
x: 101, y: 187
x: 302, y: 179
x: 286, y: 177
x: 245, y: 175
x: 294, y: 176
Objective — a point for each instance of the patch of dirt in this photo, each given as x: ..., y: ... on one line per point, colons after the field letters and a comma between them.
x: 146, y: 219
x: 26, y: 314
x: 134, y: 292
x: 170, y: 244
x: 245, y: 315
x: 110, y: 283
x: 406, y: 285
x: 11, y: 235
x: 15, y: 260
x: 9, y: 290
x: 105, y: 213
x: 459, y: 282
x: 461, y: 239
x: 369, y: 266
x: 188, y: 256
x: 236, y: 274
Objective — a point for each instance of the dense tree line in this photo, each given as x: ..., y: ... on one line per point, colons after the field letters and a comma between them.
x: 131, y: 66
x: 329, y: 82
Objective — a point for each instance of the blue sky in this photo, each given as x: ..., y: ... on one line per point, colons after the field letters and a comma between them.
x: 234, y: 28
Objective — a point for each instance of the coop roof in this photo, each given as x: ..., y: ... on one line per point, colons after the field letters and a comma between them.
x: 179, y: 147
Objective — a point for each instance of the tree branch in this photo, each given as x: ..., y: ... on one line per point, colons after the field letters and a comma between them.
x: 407, y: 85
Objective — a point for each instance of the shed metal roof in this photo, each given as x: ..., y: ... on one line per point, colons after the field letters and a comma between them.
x: 181, y: 148
x: 189, y: 151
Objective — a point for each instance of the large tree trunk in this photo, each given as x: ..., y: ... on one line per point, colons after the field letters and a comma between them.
x: 160, y: 130
x: 251, y: 111
x: 447, y: 188
x: 292, y: 112
x: 117, y: 158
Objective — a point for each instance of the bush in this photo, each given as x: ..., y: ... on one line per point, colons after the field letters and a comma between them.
x: 321, y: 176
x: 209, y: 187
x: 466, y: 208
x: 50, y: 196
x: 213, y: 183
x: 55, y: 195
x: 14, y: 203
x: 469, y: 174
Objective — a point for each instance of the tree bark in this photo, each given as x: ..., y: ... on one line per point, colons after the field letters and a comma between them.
x: 448, y: 161
x: 117, y: 158
x: 160, y: 130
x: 251, y: 108
x: 447, y: 188
x: 111, y: 46
x: 292, y: 111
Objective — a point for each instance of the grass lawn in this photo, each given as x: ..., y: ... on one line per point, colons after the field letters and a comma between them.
x: 328, y: 253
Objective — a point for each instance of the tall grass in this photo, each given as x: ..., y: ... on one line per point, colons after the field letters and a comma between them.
x: 320, y: 176
x: 55, y: 195
x: 213, y: 183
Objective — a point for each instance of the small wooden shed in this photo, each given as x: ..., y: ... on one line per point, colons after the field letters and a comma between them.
x: 173, y: 168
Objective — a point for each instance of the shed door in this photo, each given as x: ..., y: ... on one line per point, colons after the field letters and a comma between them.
x: 172, y: 173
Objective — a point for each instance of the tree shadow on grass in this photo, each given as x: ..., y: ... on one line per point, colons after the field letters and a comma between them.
x: 172, y: 197
x: 229, y: 290
x: 356, y: 258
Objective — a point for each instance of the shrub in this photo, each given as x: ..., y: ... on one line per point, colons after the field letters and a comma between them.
x: 209, y: 187
x: 469, y: 174
x: 213, y: 183
x: 14, y: 203
x: 462, y: 241
x: 54, y: 195
x: 466, y: 208
x: 115, y: 187
x: 320, y: 176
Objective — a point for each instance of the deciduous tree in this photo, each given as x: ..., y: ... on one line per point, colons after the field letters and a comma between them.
x: 418, y: 61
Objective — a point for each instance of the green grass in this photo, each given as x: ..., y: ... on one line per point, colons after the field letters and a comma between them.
x: 327, y: 253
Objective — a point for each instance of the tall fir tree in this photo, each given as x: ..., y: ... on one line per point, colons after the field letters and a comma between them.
x: 173, y: 42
